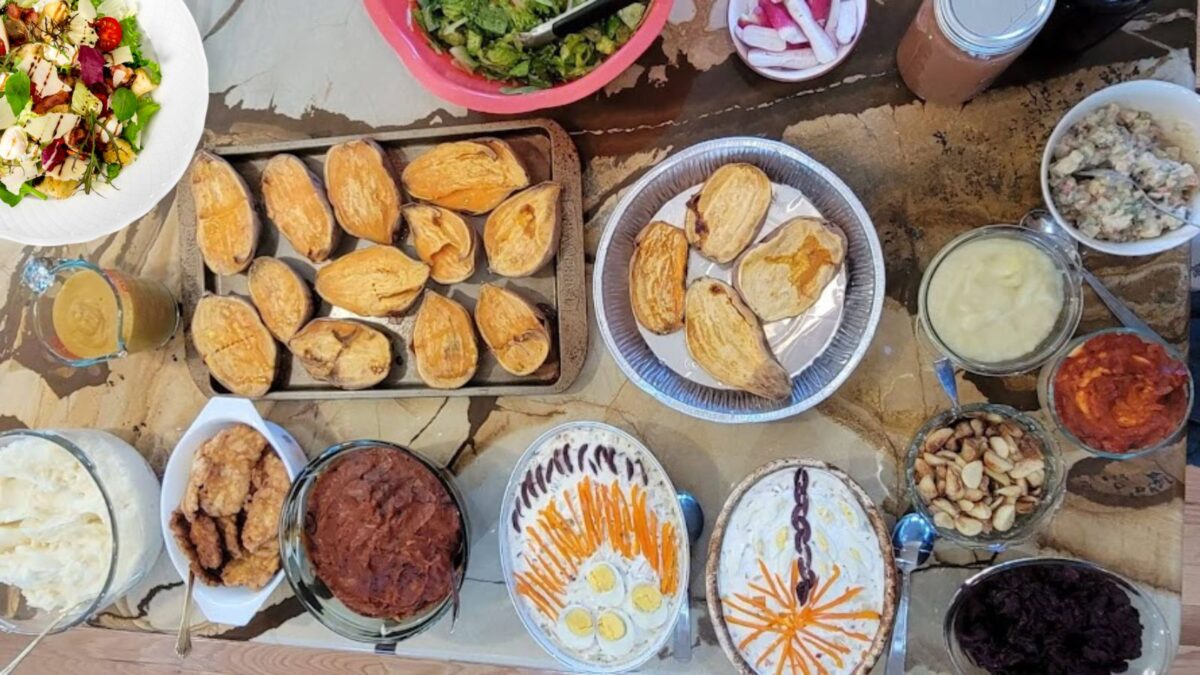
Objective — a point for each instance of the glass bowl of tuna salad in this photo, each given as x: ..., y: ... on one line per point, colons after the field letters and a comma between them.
x: 1146, y: 130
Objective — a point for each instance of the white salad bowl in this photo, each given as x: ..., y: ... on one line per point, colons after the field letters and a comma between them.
x: 1177, y: 111
x: 169, y: 142
x: 739, y: 7
x: 232, y: 606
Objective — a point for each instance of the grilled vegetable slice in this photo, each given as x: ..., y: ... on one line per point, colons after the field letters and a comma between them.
x: 725, y: 338
x: 522, y: 234
x: 783, y: 275
x: 472, y: 176
x: 281, y: 296
x: 227, y: 225
x: 362, y: 188
x: 513, y: 329
x: 346, y: 354
x: 296, y: 203
x: 443, y: 343
x: 726, y: 214
x: 658, y: 277
x: 234, y: 344
x: 374, y: 281
x: 443, y: 240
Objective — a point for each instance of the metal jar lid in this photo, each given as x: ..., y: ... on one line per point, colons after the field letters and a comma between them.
x: 991, y: 27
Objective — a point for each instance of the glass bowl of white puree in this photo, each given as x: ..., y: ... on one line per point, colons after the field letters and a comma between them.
x: 80, y: 508
x: 1000, y: 299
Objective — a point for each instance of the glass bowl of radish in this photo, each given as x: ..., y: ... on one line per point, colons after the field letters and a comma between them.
x: 795, y: 40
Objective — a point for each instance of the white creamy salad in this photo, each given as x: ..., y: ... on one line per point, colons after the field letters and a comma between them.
x: 599, y: 555
x: 760, y: 567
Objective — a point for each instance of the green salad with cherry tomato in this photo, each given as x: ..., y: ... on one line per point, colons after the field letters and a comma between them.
x: 481, y: 35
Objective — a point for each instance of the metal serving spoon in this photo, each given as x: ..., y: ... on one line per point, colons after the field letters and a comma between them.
x: 1114, y: 175
x: 1042, y: 221
x: 912, y: 541
x: 693, y: 518
x: 183, y: 639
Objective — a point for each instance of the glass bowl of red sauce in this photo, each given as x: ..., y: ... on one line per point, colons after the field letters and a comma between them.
x: 1118, y: 393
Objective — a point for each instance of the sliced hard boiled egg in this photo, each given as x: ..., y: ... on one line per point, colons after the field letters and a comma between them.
x: 646, y: 605
x: 603, y: 584
x: 576, y: 628
x: 614, y: 633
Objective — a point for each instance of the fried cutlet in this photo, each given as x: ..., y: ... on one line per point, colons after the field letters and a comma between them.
x: 269, y: 485
x: 231, y: 456
x: 230, y: 536
x: 183, y: 531
x: 253, y: 570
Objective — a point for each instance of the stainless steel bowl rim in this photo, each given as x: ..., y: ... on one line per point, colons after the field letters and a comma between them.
x: 509, y: 496
x: 820, y: 170
x: 307, y: 475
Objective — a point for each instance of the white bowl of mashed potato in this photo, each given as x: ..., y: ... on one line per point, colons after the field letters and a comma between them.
x: 80, y: 509
x: 1146, y: 128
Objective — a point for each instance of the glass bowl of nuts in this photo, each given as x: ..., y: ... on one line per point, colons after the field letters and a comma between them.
x: 986, y: 475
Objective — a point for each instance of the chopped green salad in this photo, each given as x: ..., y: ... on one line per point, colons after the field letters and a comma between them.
x: 481, y: 35
x: 75, y: 95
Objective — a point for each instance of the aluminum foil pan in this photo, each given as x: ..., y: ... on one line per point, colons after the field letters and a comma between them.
x: 861, y: 306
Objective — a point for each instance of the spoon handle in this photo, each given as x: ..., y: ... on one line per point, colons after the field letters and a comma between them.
x: 183, y: 641
x: 682, y: 642
x: 944, y: 369
x: 899, y: 650
x: 1119, y: 309
x: 12, y: 665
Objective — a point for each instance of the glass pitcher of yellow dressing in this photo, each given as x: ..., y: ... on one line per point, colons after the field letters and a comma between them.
x: 84, y: 314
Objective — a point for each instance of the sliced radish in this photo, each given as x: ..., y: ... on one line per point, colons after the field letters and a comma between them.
x: 847, y: 26
x: 822, y: 45
x: 762, y: 38
x: 777, y: 17
x: 820, y: 10
x: 792, y: 59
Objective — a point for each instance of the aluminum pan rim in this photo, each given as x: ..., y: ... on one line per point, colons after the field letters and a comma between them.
x: 749, y: 148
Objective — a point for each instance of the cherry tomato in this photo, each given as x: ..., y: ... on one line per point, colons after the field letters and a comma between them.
x: 109, y: 31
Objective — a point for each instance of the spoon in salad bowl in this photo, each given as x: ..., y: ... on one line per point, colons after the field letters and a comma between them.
x: 1118, y: 177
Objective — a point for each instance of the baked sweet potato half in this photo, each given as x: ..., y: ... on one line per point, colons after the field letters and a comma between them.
x: 728, y: 211
x: 234, y: 344
x: 373, y: 281
x: 658, y: 277
x: 471, y: 176
x: 522, y: 234
x: 362, y: 188
x: 443, y: 343
x: 281, y: 296
x: 783, y: 275
x: 296, y: 203
x: 514, y: 329
x: 443, y: 240
x: 227, y: 225
x: 346, y: 354
x: 725, y: 338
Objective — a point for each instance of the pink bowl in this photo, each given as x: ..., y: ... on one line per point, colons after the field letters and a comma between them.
x: 440, y: 74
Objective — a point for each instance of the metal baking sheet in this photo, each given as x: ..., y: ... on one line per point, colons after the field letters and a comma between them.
x: 548, y: 154
x: 784, y: 165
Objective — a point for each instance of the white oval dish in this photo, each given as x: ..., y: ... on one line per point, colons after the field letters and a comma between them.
x: 738, y: 7
x: 1177, y: 111
x: 230, y: 606
x: 169, y: 141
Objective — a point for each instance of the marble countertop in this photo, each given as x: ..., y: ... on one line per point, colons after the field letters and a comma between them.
x: 285, y: 69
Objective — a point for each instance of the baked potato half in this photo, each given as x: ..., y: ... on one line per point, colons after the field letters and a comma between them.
x: 227, y: 225
x: 296, y: 203
x: 443, y: 240
x: 362, y: 187
x: 471, y: 176
x: 726, y: 214
x: 346, y: 354
x: 784, y: 274
x: 725, y: 338
x: 373, y: 281
x: 515, y: 331
x: 443, y: 343
x: 522, y: 234
x: 234, y: 344
x: 280, y: 295
x: 658, y: 277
